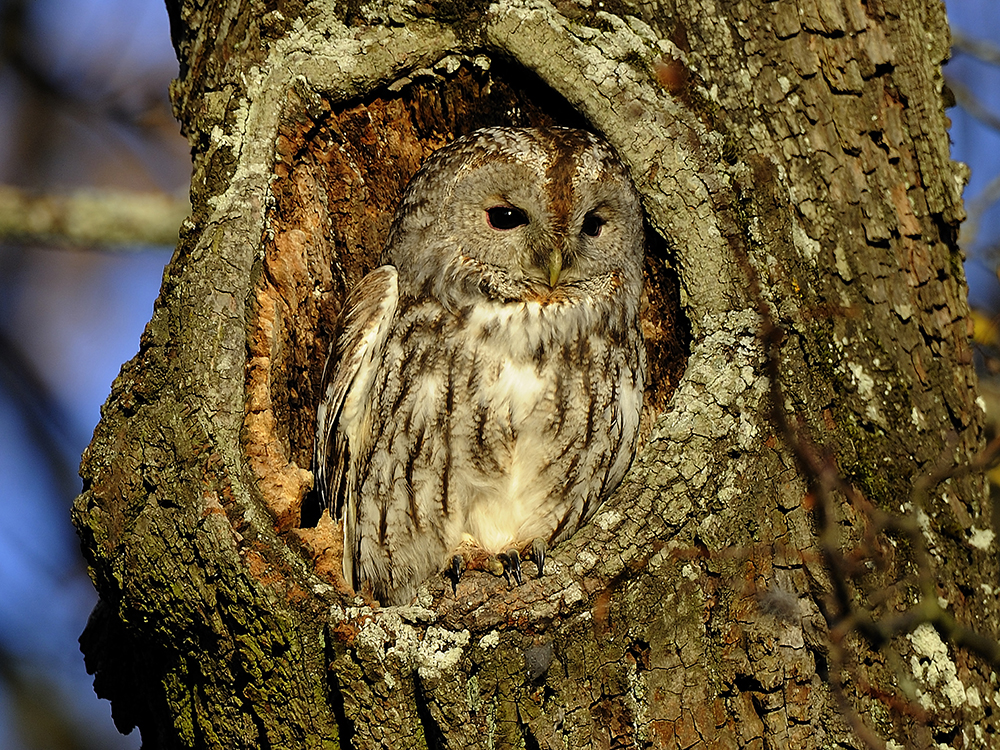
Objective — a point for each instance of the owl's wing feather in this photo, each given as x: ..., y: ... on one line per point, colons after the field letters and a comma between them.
x: 362, y: 329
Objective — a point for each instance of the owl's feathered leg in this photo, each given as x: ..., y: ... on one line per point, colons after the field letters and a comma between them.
x: 470, y: 556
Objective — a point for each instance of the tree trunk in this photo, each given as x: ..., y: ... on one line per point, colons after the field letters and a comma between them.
x: 800, y: 554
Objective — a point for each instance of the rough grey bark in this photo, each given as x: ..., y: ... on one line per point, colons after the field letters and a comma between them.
x: 793, y: 160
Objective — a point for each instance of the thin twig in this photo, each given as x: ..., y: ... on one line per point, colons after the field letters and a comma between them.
x: 984, y: 51
x: 968, y: 101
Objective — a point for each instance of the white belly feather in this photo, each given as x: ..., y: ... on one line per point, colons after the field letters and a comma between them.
x: 506, y: 510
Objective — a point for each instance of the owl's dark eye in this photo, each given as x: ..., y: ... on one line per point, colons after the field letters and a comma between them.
x: 506, y: 217
x: 592, y: 224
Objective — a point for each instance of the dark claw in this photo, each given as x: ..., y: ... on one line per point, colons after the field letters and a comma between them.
x: 538, y: 547
x: 455, y: 571
x: 512, y: 565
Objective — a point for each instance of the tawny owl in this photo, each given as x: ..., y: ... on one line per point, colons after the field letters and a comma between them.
x: 484, y: 387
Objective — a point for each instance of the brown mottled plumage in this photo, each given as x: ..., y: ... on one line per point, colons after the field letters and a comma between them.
x: 485, y: 385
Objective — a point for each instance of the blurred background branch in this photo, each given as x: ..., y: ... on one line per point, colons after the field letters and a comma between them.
x: 987, y: 51
x: 90, y: 217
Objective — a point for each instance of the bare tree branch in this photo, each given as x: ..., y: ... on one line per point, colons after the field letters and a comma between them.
x: 90, y: 218
x: 967, y: 101
x: 978, y: 48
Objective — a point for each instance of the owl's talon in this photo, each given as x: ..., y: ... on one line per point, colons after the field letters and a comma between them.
x: 512, y: 565
x: 538, y: 548
x: 455, y: 570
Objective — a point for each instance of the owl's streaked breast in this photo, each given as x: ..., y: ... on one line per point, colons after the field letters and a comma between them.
x: 487, y: 430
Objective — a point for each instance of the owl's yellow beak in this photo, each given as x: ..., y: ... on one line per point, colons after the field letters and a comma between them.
x: 555, y: 267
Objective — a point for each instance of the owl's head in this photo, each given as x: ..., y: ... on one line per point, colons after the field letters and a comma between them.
x: 512, y: 214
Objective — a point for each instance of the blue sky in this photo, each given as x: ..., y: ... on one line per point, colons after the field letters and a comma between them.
x: 72, y: 318
x: 975, y: 143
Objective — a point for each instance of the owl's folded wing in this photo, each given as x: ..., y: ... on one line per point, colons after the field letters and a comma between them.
x: 362, y: 329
